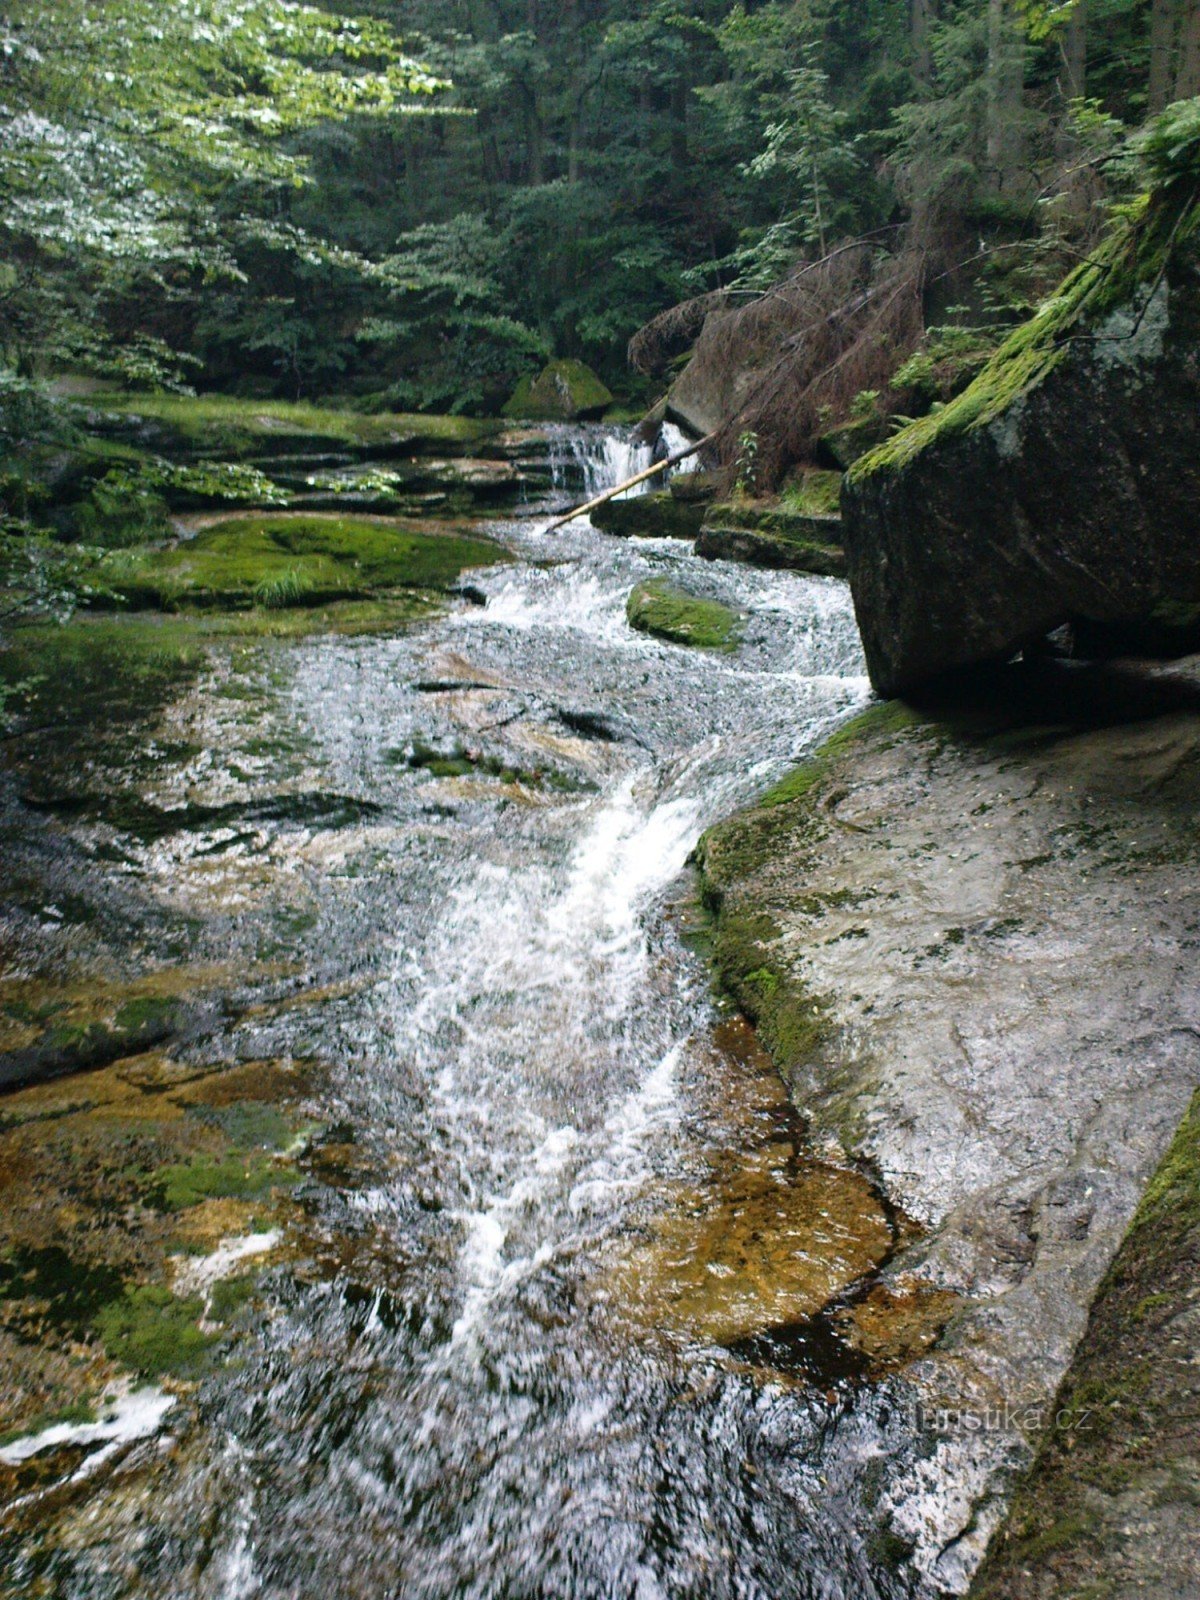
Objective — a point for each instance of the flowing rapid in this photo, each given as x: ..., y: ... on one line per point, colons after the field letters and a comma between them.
x: 469, y: 1391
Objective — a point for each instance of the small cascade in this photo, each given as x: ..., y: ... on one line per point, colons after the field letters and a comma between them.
x: 587, y: 459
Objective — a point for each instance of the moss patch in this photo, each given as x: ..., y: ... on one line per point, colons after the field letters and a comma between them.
x: 813, y: 494
x: 152, y: 1333
x: 1129, y: 260
x: 893, y: 716
x: 661, y: 515
x: 291, y: 561
x: 221, y: 424
x: 562, y: 391
x: 659, y: 608
x: 239, y: 1175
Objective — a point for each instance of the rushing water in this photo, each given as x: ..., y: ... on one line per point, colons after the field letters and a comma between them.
x: 592, y: 459
x: 527, y: 1048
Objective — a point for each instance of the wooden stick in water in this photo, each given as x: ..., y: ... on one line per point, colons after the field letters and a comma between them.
x: 630, y: 483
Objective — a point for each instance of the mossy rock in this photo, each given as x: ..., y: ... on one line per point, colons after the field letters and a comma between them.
x: 81, y: 1044
x: 215, y: 425
x: 1062, y: 484
x: 239, y: 1175
x: 841, y: 447
x: 1113, y: 1494
x: 775, y: 535
x: 657, y: 607
x: 650, y: 516
x: 813, y: 493
x: 564, y: 391
x: 279, y: 562
x: 155, y: 1335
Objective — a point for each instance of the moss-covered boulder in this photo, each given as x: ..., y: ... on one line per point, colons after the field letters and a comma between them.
x: 771, y: 535
x: 564, y: 391
x: 284, y: 560
x: 1062, y: 484
x: 650, y: 516
x: 224, y: 427
x: 660, y: 608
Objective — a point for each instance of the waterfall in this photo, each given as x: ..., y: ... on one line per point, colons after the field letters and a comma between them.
x: 587, y: 459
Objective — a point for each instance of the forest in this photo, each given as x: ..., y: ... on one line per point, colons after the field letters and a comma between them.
x: 599, y: 799
x: 414, y: 208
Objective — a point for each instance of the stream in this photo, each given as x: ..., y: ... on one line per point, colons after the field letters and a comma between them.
x: 477, y: 1374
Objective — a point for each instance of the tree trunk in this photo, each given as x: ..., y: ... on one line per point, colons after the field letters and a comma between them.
x: 1005, y: 86
x: 680, y: 96
x: 1164, y: 27
x: 1074, y: 74
x: 1187, y: 83
x: 924, y: 14
x: 574, y: 143
x: 535, y: 143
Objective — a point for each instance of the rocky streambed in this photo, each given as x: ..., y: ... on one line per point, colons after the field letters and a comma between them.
x: 969, y: 935
x: 390, y: 1201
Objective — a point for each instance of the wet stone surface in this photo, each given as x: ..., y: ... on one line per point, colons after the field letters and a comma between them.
x: 384, y: 1204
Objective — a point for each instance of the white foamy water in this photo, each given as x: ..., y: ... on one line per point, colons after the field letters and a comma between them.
x: 593, y: 459
x: 447, y: 1415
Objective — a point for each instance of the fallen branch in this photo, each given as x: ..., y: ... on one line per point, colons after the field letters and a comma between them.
x: 631, y: 483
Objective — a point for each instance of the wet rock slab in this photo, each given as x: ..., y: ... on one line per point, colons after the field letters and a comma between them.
x: 773, y: 537
x: 1110, y: 1506
x: 970, y: 943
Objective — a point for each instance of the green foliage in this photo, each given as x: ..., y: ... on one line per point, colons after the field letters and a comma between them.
x: 122, y: 130
x: 1170, y: 145
x: 747, y: 462
x: 239, y: 195
x: 122, y: 509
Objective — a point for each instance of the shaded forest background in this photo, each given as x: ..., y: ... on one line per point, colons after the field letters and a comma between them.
x: 415, y: 209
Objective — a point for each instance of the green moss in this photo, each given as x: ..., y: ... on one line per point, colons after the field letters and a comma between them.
x: 95, y: 674
x: 291, y: 561
x: 240, y: 1175
x: 1066, y: 1531
x: 250, y: 1124
x: 1173, y: 1194
x: 562, y: 391
x: 659, y: 608
x: 890, y: 717
x: 660, y: 515
x: 152, y: 1333
x: 222, y: 424
x: 792, y: 1022
x: 1130, y: 258
x: 815, y: 494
